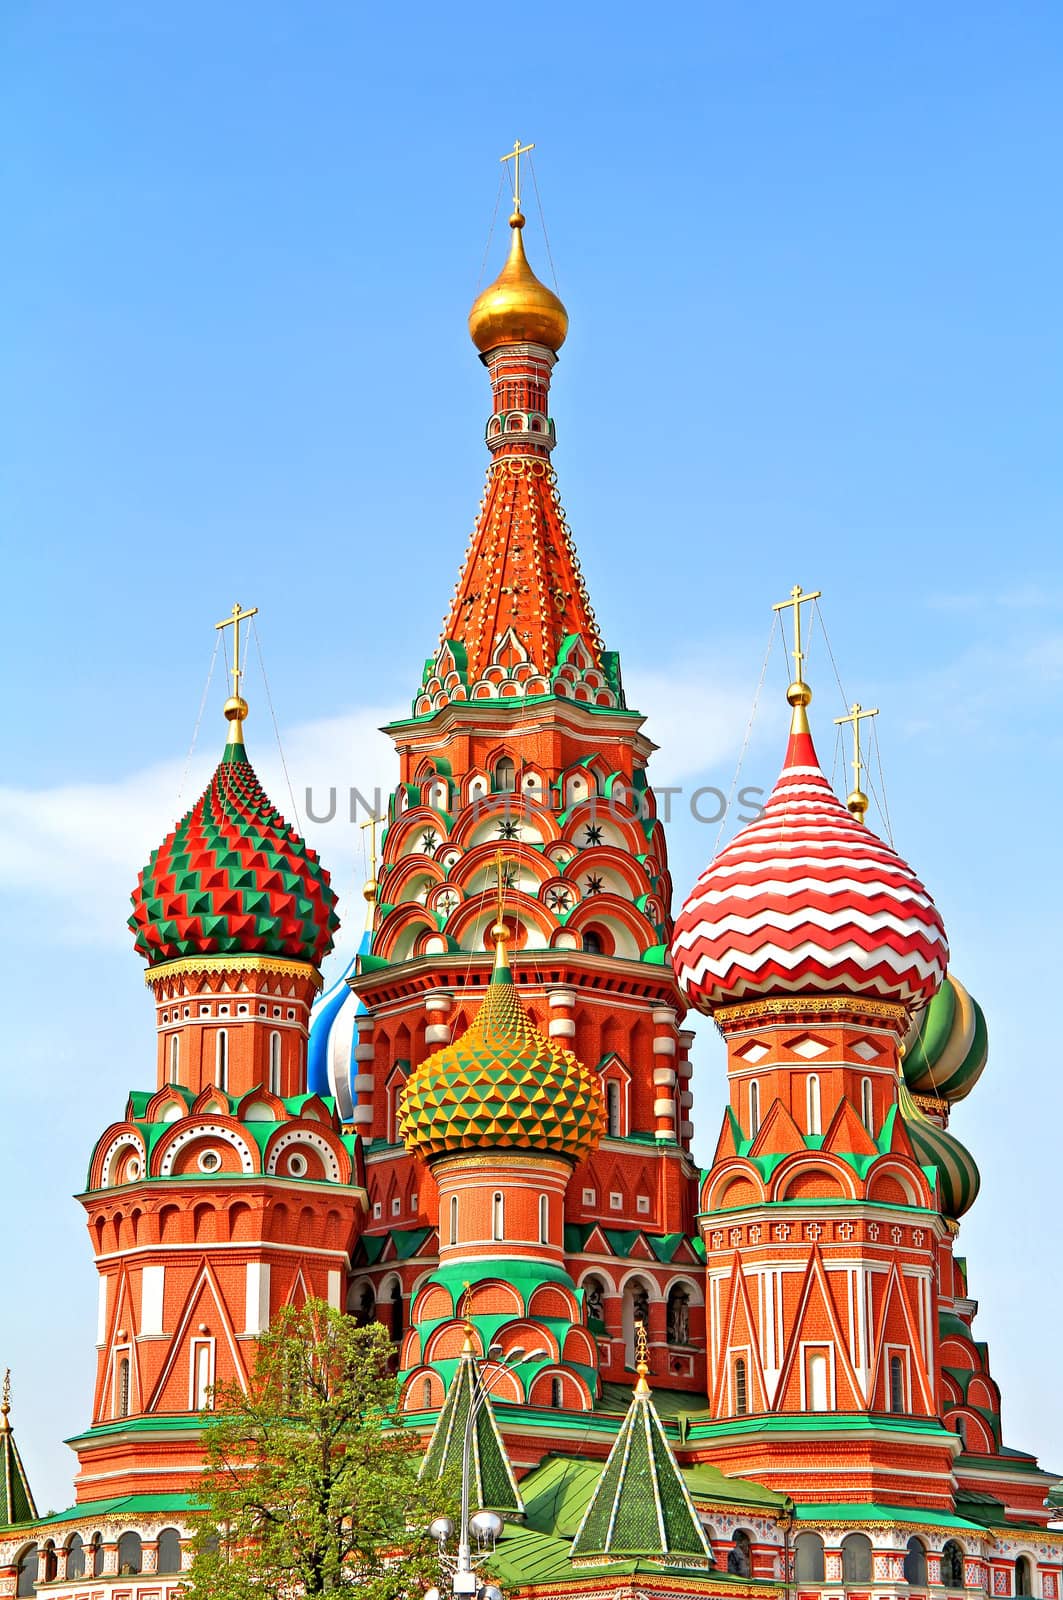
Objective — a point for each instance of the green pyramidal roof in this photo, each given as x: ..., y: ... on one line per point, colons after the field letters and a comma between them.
x: 16, y: 1496
x: 642, y: 1506
x: 493, y: 1484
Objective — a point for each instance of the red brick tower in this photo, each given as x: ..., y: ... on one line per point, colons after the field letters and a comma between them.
x: 521, y: 738
x: 226, y: 1192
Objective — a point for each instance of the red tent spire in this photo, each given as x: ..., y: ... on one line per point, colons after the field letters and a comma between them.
x: 521, y: 621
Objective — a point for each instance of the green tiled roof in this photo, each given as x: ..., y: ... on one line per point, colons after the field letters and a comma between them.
x: 641, y: 1506
x: 127, y: 1504
x: 16, y: 1496
x: 493, y: 1482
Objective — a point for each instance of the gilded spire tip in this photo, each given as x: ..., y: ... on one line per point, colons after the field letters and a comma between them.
x: 798, y: 695
x: 642, y: 1361
x: 235, y: 708
x: 857, y: 802
x: 5, y: 1404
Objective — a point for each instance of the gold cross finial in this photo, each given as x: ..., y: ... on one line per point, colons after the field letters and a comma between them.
x: 798, y: 694
x: 5, y: 1403
x: 371, y: 885
x: 514, y: 155
x: 856, y: 804
x: 236, y: 705
x: 500, y: 933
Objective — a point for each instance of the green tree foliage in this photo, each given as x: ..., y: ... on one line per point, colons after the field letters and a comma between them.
x: 311, y: 1483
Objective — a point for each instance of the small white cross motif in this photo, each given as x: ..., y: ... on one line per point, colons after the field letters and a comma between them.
x: 736, y: 1236
x: 845, y: 1230
x: 896, y: 1233
x: 782, y: 1231
x: 754, y: 1233
x: 917, y: 1237
x: 813, y: 1230
x: 717, y: 1238
x: 873, y: 1231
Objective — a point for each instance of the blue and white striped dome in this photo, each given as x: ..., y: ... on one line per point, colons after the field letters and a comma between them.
x: 330, y: 1062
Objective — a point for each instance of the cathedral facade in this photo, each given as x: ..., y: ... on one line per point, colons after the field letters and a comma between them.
x: 760, y: 1377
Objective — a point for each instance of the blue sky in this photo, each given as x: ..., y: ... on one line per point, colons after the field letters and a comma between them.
x: 811, y: 256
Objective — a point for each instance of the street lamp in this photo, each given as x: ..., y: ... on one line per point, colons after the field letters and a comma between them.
x: 485, y: 1526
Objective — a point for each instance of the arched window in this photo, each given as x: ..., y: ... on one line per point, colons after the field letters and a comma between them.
x: 498, y: 1217
x: 812, y: 1097
x: 754, y: 1109
x: 201, y: 1375
x: 453, y: 1219
x: 612, y: 1104
x: 809, y: 1566
x: 557, y: 1395
x: 677, y: 1320
x: 96, y: 1551
x: 221, y: 1059
x: 27, y: 1572
x: 741, y: 1388
x: 915, y: 1563
x: 960, y: 1426
x: 544, y: 1219
x: 592, y: 943
x: 51, y: 1562
x: 505, y: 775
x: 897, y: 1400
x: 952, y: 1565
x: 817, y: 1381
x: 75, y: 1557
x: 397, y: 1315
x: 856, y: 1558
x: 740, y: 1556
x: 275, y: 1063
x: 595, y: 1300
x: 169, y: 1551
x: 1023, y: 1576
x: 175, y: 1058
x: 867, y: 1105
x: 130, y: 1555
x: 426, y: 1395
x: 121, y: 1403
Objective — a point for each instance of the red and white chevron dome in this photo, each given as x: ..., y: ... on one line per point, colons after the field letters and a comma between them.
x: 806, y: 900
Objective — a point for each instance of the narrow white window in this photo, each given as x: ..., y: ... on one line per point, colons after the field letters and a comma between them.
x: 175, y: 1058
x: 275, y: 1063
x: 122, y: 1388
x: 754, y: 1109
x: 867, y: 1105
x: 612, y: 1108
x: 201, y: 1375
x: 453, y: 1219
x: 814, y: 1115
x: 498, y: 1217
x: 544, y: 1219
x: 817, y: 1375
x: 221, y: 1059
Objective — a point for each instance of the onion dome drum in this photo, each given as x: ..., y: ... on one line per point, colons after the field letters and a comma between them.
x: 947, y: 1046
x: 807, y: 900
x: 234, y: 877
x: 502, y: 1085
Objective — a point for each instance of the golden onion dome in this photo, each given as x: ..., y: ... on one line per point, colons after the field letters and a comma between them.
x: 517, y: 308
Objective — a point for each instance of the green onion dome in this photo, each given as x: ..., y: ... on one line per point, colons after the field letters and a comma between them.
x: 234, y: 878
x: 947, y: 1046
x: 958, y: 1177
x: 502, y: 1086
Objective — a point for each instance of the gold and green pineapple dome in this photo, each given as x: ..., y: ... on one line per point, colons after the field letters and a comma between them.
x: 502, y: 1086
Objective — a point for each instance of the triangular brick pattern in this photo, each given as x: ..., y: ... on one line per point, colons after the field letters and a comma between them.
x: 233, y: 876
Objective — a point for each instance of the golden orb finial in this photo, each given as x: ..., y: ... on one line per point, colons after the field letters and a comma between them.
x: 517, y: 308
x: 857, y: 804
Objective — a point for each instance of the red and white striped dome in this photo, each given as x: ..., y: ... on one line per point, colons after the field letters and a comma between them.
x: 807, y: 900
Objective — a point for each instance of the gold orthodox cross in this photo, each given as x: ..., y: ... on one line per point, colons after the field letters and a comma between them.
x: 234, y: 622
x: 797, y: 599
x: 372, y: 824
x: 642, y: 1345
x: 514, y: 155
x: 856, y: 716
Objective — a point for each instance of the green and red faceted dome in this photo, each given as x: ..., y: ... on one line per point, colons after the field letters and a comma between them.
x: 233, y: 878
